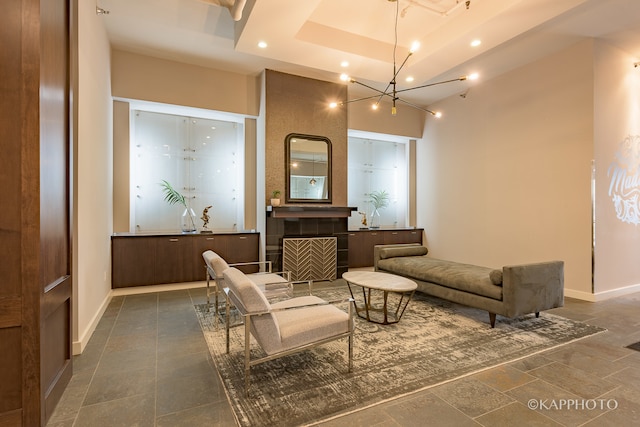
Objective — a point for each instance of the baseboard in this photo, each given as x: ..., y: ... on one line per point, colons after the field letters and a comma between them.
x: 157, y: 288
x: 78, y: 346
x: 601, y: 296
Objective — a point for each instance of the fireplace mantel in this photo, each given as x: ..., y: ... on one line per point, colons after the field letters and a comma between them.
x: 310, y: 211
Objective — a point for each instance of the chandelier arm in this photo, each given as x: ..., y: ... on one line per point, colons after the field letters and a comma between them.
x: 381, y: 93
x: 363, y: 99
x: 402, y: 65
x: 416, y: 106
x: 459, y: 79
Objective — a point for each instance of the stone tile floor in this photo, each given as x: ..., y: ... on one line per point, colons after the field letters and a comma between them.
x: 147, y: 364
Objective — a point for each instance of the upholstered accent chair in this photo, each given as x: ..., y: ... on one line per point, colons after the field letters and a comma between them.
x: 272, y: 284
x: 287, y: 326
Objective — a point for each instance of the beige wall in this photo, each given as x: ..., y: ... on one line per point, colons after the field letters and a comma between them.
x: 295, y: 104
x: 147, y: 78
x: 92, y: 175
x: 407, y: 122
x: 617, y: 112
x: 504, y: 178
x: 121, y: 169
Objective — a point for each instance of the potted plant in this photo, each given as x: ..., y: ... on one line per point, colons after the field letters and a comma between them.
x: 275, y: 198
x: 379, y: 200
x: 172, y: 196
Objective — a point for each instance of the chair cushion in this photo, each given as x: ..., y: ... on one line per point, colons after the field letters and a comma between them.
x: 247, y: 294
x: 310, y: 324
x: 216, y: 262
x: 262, y: 279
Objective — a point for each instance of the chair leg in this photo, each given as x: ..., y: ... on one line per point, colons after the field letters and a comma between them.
x: 206, y: 272
x: 216, y: 309
x: 247, y: 353
x: 226, y: 317
x: 351, y: 328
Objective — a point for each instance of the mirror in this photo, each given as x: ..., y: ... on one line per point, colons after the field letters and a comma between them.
x: 308, y: 169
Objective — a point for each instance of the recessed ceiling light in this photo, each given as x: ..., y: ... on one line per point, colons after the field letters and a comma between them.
x: 344, y: 64
x: 262, y: 44
x: 476, y: 42
x: 409, y: 79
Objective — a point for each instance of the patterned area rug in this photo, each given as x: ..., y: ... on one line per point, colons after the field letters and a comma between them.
x: 436, y: 341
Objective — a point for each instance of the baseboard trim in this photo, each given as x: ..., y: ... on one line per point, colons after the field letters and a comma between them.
x: 79, y: 346
x: 601, y: 296
x: 133, y: 290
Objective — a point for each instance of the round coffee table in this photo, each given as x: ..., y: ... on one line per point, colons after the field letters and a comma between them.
x: 386, y: 283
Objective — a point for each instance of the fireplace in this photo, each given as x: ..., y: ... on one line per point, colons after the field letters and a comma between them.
x: 308, y: 222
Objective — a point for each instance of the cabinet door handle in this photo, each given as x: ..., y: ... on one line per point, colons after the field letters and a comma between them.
x: 243, y: 237
x: 210, y: 238
x: 394, y: 233
x: 173, y: 240
x: 374, y: 234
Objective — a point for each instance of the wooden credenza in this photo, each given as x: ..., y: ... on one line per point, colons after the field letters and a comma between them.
x: 145, y: 259
x: 361, y: 243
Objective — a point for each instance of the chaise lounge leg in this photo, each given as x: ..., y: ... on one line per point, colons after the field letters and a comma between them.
x: 492, y: 319
x: 537, y: 314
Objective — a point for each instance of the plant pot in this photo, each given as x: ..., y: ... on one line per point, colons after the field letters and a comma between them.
x: 275, y: 202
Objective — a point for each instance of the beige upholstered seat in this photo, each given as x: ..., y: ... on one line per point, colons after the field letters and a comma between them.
x: 271, y: 284
x: 287, y: 326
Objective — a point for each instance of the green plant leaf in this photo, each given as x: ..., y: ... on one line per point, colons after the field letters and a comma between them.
x: 172, y: 196
x: 379, y: 199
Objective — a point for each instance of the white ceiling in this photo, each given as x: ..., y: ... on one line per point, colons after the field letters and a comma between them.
x: 312, y: 37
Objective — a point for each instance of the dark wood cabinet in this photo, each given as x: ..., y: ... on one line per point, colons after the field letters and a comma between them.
x: 402, y: 236
x: 139, y: 260
x: 133, y: 261
x: 202, y: 243
x: 174, y: 260
x: 361, y: 243
x: 242, y: 248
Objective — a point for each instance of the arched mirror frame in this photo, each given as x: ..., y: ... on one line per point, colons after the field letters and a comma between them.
x: 291, y: 198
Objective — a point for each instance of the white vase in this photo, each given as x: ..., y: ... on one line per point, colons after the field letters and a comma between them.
x: 275, y: 202
x: 188, y: 221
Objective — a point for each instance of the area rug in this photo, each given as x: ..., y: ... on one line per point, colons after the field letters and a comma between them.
x: 435, y: 342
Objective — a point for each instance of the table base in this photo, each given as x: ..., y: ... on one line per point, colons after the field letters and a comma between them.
x: 366, y: 310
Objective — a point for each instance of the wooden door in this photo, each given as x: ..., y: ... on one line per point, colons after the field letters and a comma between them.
x: 35, y: 295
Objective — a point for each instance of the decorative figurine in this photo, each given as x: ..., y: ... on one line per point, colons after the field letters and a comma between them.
x: 205, y: 219
x: 364, y: 219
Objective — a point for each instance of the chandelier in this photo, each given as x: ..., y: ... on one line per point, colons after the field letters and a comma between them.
x: 392, y: 91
